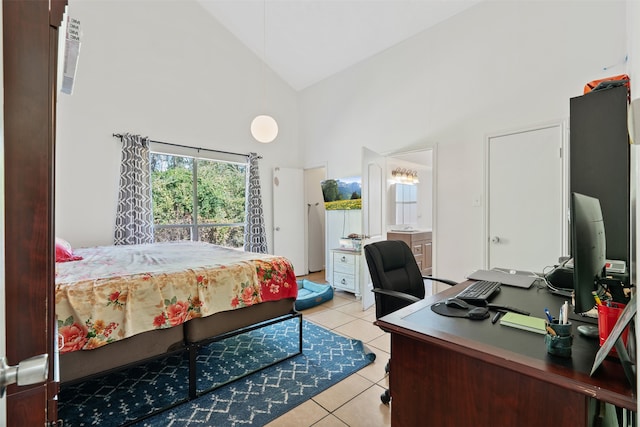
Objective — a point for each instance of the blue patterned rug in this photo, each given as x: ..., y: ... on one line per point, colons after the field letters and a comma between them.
x: 254, y: 399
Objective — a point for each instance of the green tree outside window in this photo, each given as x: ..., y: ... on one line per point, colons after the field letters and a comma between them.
x: 198, y: 199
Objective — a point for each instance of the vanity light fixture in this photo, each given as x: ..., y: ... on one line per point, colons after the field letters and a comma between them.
x: 405, y: 176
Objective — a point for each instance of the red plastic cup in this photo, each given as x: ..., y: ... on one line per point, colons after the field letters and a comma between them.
x: 607, y: 317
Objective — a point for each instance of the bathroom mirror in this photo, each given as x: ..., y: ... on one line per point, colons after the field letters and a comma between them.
x: 406, y: 204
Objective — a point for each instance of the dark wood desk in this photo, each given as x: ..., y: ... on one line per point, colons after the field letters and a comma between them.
x: 458, y: 372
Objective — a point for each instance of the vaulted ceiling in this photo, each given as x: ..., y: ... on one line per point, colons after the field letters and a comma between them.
x: 306, y: 41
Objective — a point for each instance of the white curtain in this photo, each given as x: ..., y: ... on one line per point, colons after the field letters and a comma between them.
x: 134, y: 217
x: 255, y: 238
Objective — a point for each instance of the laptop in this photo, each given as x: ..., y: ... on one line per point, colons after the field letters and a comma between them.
x: 517, y: 278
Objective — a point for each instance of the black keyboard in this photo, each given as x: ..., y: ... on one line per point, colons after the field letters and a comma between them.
x: 479, y: 292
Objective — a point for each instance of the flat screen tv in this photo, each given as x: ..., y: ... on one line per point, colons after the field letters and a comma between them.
x: 342, y: 194
x: 589, y: 249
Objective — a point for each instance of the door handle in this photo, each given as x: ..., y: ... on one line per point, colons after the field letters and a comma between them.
x: 495, y: 239
x: 30, y: 371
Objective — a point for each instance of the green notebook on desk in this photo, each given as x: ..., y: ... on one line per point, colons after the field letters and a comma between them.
x: 527, y: 323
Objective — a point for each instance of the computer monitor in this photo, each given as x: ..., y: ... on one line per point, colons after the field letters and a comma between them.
x: 589, y: 249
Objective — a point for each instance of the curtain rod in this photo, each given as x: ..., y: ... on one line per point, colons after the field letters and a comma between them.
x: 119, y: 135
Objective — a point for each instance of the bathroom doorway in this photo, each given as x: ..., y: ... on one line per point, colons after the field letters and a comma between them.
x: 315, y: 218
x: 410, y: 201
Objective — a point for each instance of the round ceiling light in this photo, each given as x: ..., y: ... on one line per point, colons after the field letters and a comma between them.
x: 264, y: 128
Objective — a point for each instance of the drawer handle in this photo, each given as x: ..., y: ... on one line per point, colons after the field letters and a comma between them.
x: 343, y: 259
x: 343, y: 281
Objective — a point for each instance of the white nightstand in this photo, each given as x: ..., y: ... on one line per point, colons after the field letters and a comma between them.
x: 345, y: 272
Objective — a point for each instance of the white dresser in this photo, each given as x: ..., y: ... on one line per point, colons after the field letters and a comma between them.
x: 345, y: 270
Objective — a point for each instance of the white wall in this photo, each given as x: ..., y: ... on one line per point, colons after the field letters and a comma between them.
x: 633, y: 43
x: 496, y: 66
x: 169, y: 71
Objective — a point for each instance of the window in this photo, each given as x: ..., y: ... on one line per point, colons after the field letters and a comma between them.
x: 198, y: 199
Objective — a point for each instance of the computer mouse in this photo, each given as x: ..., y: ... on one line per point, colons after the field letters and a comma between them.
x: 589, y: 331
x: 456, y: 303
x: 478, y: 313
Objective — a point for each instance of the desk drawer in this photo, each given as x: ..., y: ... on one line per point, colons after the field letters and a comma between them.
x: 344, y: 281
x: 344, y: 263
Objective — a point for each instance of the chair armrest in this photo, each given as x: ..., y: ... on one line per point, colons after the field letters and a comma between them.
x: 396, y: 294
x: 446, y: 281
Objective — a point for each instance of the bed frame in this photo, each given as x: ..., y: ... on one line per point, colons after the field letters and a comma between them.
x: 80, y: 365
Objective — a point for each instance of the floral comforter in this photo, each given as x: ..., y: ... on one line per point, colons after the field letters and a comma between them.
x: 116, y: 292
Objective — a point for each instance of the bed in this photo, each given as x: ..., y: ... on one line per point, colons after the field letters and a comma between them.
x: 117, y: 305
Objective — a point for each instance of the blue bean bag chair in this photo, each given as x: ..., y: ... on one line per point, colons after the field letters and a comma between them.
x: 311, y: 294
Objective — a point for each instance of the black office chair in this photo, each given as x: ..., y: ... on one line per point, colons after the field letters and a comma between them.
x: 397, y: 280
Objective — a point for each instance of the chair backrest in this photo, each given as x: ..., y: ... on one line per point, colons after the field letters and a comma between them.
x: 393, y: 266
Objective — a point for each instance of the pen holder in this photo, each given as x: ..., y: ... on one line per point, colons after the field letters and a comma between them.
x: 559, y: 339
x: 608, y: 315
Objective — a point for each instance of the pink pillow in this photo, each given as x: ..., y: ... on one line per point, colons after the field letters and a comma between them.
x: 64, y: 252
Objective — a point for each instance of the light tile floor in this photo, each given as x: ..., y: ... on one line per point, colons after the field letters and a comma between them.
x: 354, y: 401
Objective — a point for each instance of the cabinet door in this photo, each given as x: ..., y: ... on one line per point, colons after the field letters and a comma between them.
x: 427, y: 267
x: 417, y: 247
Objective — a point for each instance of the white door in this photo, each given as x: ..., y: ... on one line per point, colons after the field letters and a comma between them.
x: 525, y: 203
x: 374, y: 223
x: 315, y: 218
x: 288, y: 217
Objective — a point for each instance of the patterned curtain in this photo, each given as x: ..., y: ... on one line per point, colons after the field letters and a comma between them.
x: 134, y: 218
x: 255, y: 238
